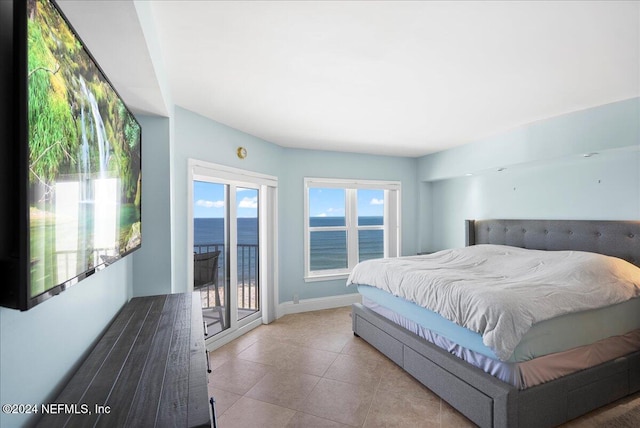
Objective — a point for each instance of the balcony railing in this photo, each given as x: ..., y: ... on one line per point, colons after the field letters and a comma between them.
x: 248, y: 279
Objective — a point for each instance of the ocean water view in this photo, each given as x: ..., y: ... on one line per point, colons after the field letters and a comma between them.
x: 211, y: 231
x: 328, y: 248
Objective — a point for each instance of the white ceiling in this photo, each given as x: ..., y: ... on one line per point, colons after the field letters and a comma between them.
x: 398, y: 78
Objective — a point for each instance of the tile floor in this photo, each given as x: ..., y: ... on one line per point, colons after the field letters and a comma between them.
x: 308, y: 370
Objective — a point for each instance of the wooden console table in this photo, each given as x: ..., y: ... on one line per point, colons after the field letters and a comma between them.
x: 149, y: 369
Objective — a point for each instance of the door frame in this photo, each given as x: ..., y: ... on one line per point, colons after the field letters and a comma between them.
x: 267, y: 186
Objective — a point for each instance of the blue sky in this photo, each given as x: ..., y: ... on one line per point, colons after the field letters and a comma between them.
x: 208, y: 201
x: 331, y: 202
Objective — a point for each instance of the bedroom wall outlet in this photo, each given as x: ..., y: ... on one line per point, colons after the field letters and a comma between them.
x: 296, y: 299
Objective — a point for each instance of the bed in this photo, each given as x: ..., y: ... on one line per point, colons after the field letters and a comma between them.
x: 495, y: 401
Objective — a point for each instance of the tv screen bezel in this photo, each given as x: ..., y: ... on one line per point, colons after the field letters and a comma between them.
x: 16, y: 261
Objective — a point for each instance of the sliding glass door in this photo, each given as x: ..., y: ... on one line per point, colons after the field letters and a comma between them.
x: 230, y: 222
x: 226, y: 252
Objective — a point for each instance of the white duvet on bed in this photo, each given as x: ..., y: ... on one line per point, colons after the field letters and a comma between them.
x: 501, y: 291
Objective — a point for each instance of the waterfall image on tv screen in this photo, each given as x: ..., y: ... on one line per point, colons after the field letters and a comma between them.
x: 84, y: 158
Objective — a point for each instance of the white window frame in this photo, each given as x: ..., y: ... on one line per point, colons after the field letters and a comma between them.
x: 391, y: 226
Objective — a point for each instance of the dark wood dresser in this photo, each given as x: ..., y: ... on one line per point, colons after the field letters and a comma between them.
x: 149, y: 369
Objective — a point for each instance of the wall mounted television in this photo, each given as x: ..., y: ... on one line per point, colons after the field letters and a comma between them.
x: 70, y: 165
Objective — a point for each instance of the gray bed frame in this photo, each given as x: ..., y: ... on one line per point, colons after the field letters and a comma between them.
x: 484, y: 399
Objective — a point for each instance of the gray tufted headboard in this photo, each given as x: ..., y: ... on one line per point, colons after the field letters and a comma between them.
x: 613, y: 238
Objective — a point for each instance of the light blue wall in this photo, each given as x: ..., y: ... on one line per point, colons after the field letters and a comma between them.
x: 152, y: 263
x: 197, y: 137
x: 203, y: 139
x: 606, y: 127
x: 546, y: 175
x: 41, y: 347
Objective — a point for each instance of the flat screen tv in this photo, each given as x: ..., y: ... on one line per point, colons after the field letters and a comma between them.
x: 70, y: 177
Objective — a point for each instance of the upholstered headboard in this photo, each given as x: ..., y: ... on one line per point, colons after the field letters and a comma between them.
x: 613, y: 238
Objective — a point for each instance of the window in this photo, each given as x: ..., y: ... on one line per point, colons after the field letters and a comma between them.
x: 347, y: 222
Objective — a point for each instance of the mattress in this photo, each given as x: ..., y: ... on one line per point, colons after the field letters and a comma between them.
x: 501, y: 292
x: 547, y: 337
x: 522, y: 375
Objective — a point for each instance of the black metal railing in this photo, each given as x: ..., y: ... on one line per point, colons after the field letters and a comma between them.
x: 248, y: 278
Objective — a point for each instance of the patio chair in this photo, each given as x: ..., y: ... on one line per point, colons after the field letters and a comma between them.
x: 205, y: 277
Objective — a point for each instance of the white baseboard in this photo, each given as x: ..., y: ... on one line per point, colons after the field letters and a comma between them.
x: 317, y: 304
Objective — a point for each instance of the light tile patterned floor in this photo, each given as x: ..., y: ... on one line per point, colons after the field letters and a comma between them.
x: 308, y: 370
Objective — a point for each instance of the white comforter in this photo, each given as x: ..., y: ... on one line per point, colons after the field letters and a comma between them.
x: 500, y: 291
